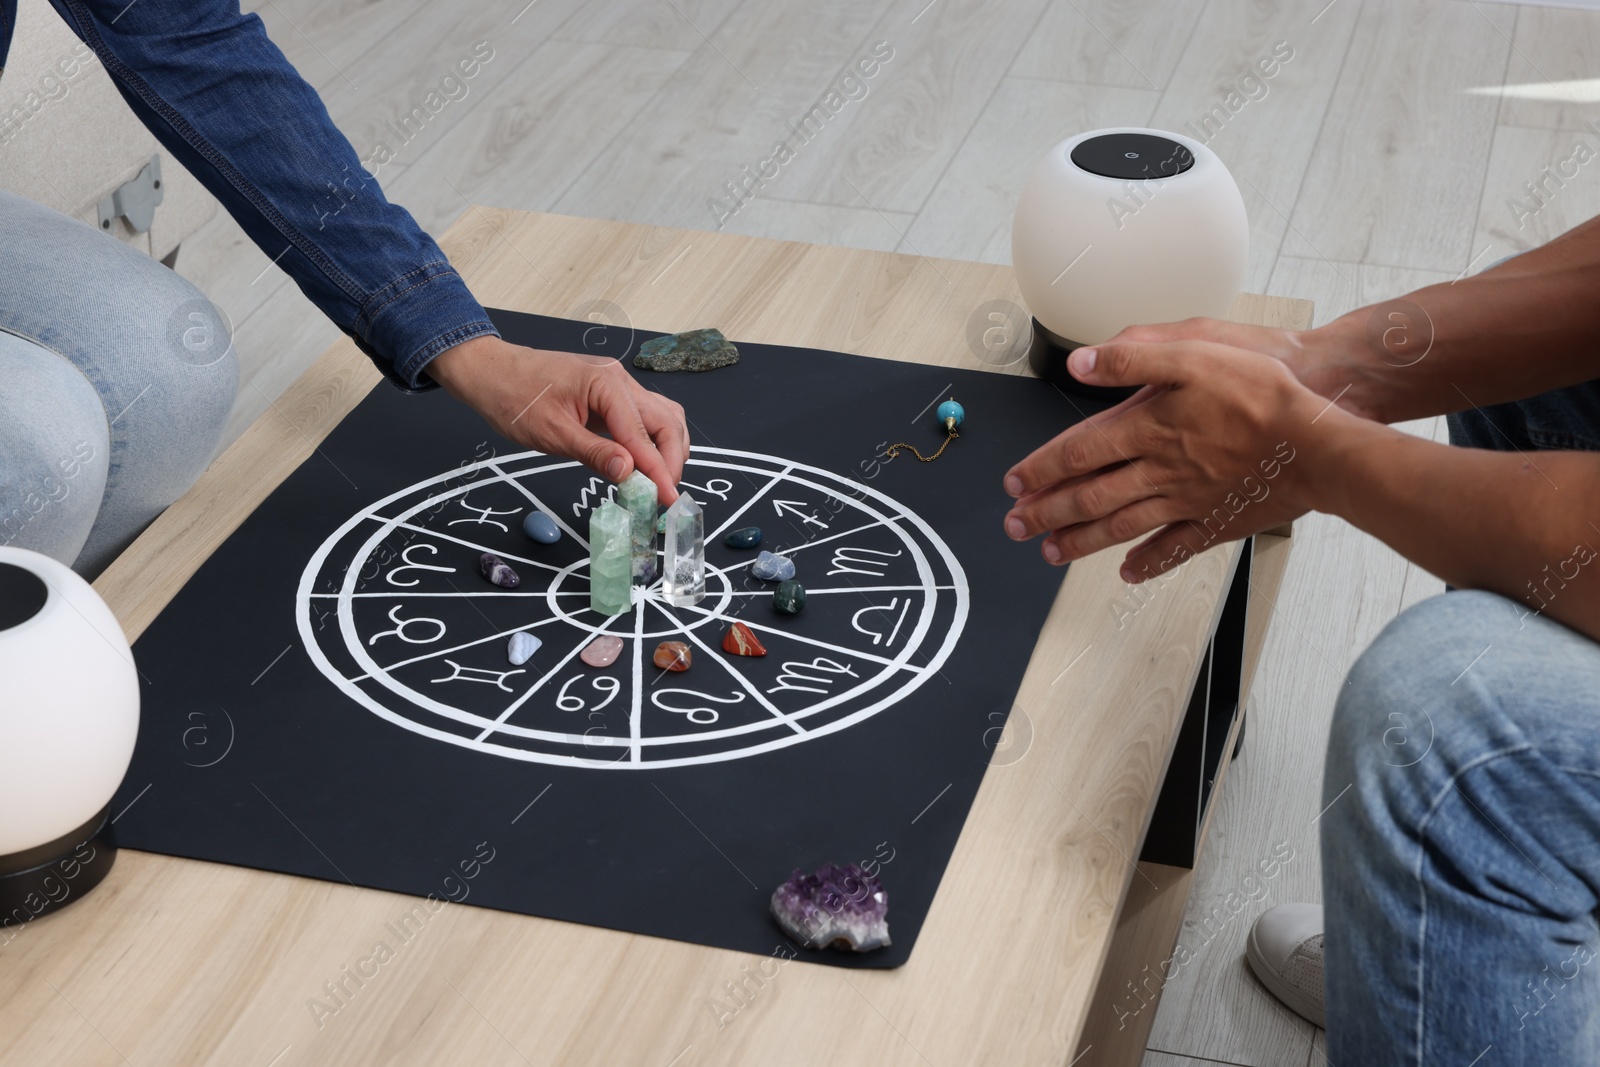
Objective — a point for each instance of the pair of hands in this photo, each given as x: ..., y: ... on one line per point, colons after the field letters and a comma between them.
x: 561, y: 403
x: 1203, y: 452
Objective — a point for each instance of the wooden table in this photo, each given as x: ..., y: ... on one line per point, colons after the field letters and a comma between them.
x: 1040, y: 920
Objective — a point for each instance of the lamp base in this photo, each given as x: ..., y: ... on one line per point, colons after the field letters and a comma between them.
x: 1047, y: 355
x: 46, y: 878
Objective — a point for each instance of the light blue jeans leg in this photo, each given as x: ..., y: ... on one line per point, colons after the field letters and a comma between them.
x: 156, y: 356
x: 1461, y: 842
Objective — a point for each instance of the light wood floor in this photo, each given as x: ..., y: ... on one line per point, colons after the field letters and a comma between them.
x: 1382, y: 157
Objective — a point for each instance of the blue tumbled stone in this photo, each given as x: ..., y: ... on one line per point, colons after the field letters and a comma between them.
x: 746, y: 537
x: 770, y: 567
x: 541, y: 528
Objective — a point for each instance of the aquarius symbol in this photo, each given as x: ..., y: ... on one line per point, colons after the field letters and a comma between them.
x: 597, y: 488
x: 877, y: 635
x: 400, y: 629
x: 844, y: 557
x: 483, y: 516
x: 467, y: 674
x: 410, y: 566
x: 798, y: 671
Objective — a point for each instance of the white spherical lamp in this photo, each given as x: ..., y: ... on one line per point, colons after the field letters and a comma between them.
x: 69, y: 714
x: 1120, y: 227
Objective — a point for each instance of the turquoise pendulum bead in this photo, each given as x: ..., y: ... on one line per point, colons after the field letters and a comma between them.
x: 950, y: 414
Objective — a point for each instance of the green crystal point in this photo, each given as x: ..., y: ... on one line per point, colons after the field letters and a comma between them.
x: 610, y: 559
x: 637, y: 494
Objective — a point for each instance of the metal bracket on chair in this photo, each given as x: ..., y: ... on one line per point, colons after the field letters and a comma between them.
x: 135, y: 200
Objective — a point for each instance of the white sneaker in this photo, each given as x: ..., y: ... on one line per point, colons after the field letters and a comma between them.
x: 1285, y: 952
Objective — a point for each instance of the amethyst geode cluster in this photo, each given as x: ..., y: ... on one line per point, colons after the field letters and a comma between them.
x: 839, y: 907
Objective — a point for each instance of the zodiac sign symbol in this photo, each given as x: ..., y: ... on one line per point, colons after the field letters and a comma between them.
x: 400, y: 629
x: 603, y: 684
x: 709, y: 489
x: 798, y: 671
x: 793, y: 507
x: 598, y: 488
x: 876, y: 635
x: 483, y: 516
x: 466, y: 674
x: 844, y: 557
x: 694, y: 715
x: 410, y: 565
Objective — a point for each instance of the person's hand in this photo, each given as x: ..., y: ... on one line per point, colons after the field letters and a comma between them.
x: 561, y: 403
x: 1335, y: 361
x: 1204, y: 453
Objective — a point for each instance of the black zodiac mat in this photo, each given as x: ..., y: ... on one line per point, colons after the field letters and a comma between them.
x: 331, y: 695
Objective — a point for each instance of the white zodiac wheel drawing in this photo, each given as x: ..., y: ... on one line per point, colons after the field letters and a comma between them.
x: 395, y: 614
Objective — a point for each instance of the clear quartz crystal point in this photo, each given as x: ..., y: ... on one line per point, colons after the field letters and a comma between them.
x: 638, y: 495
x: 683, y: 578
x: 610, y: 559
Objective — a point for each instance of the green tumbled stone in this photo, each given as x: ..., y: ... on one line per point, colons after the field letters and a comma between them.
x: 695, y: 350
x: 789, y: 597
x: 744, y: 537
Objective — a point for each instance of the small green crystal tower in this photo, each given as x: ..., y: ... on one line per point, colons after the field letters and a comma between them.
x: 610, y: 555
x: 683, y: 577
x: 638, y: 495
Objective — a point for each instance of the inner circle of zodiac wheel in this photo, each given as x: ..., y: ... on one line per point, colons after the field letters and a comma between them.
x: 395, y: 614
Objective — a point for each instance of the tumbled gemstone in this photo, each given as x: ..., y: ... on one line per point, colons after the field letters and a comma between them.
x: 770, y: 567
x: 602, y: 651
x: 742, y: 642
x: 838, y: 907
x: 789, y: 597
x: 522, y: 647
x: 541, y: 527
x: 498, y: 571
x: 673, y: 656
x: 744, y: 537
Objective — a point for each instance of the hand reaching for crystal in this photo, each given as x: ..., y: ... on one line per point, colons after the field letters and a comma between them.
x: 562, y: 403
x: 1204, y: 452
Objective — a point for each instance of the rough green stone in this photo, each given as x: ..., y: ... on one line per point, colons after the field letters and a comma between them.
x: 610, y: 559
x: 789, y: 598
x: 696, y: 350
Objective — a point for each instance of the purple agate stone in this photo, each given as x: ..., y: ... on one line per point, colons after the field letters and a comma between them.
x: 498, y: 571
x: 841, y: 906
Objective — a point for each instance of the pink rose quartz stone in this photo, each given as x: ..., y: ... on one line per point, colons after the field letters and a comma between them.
x: 602, y: 651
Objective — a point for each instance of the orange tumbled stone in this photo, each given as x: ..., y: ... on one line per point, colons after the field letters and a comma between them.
x: 673, y: 656
x: 741, y: 642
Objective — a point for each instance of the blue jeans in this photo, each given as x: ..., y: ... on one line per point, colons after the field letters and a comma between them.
x: 116, y: 380
x: 1461, y: 836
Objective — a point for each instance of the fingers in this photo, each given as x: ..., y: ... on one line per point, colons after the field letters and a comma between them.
x: 664, y: 421
x: 1125, y: 524
x: 612, y: 399
x: 1078, y: 500
x: 1136, y: 362
x: 1077, y: 451
x: 1162, y: 551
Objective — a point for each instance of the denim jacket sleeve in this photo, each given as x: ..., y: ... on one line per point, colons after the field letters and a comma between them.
x: 226, y: 103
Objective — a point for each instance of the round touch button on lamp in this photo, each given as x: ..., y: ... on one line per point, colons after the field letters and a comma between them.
x: 69, y: 714
x: 1120, y: 227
